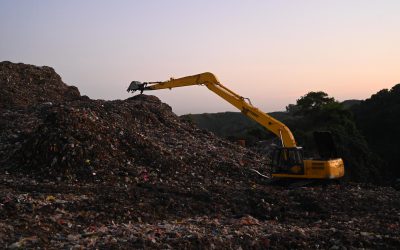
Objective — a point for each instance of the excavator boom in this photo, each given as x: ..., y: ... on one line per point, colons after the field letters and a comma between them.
x: 212, y: 83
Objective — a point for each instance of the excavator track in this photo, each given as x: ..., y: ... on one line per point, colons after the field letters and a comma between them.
x: 298, y: 183
x: 290, y: 183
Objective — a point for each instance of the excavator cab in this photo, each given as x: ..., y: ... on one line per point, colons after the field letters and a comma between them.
x: 288, y: 161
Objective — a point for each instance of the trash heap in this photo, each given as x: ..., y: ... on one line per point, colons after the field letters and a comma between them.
x: 80, y: 173
x: 25, y: 85
x: 75, y: 138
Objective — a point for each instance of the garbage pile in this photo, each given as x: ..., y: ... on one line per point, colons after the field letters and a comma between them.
x: 79, y: 139
x: 24, y: 85
x: 79, y: 173
x: 78, y: 216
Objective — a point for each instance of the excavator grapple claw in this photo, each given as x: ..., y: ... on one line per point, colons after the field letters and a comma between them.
x: 136, y: 86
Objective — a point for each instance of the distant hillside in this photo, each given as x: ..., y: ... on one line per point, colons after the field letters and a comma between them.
x: 234, y: 125
x: 350, y: 103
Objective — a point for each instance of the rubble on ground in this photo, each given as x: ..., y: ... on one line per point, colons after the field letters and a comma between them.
x: 80, y: 173
x: 65, y: 215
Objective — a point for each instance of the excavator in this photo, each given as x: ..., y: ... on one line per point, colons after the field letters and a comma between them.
x: 288, y: 160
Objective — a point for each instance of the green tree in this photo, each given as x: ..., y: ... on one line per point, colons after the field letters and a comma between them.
x: 317, y: 111
x: 311, y: 102
x: 378, y: 118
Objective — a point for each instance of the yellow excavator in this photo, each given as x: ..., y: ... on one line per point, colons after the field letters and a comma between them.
x: 287, y: 159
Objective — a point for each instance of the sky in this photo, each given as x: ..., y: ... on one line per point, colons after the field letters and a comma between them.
x: 272, y: 52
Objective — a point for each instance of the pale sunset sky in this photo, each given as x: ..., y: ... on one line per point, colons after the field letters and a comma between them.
x: 270, y: 51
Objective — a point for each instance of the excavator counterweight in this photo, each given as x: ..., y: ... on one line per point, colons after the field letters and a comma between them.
x: 287, y: 160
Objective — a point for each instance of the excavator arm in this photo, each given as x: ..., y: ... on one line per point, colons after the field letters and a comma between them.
x: 211, y: 82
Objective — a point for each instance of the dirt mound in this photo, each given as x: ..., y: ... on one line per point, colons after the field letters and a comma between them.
x: 23, y: 85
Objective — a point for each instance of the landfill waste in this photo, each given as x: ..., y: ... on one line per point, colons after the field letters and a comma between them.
x: 24, y: 85
x: 80, y: 173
